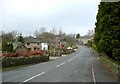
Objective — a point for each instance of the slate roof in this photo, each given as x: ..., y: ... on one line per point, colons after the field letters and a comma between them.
x: 33, y: 40
x: 20, y: 45
x: 16, y: 44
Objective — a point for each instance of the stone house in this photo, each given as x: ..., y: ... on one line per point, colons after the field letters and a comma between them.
x: 35, y: 44
x: 30, y: 43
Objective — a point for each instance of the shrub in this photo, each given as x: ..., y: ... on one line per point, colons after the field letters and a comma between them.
x: 25, y: 54
x: 17, y: 61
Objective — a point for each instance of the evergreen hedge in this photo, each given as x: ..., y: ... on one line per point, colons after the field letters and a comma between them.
x: 107, y: 30
x: 18, y: 61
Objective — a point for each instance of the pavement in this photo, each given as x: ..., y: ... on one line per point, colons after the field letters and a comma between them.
x: 56, y: 57
x: 80, y: 66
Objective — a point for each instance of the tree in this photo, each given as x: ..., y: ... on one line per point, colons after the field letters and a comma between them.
x: 78, y: 36
x: 60, y: 32
x: 70, y: 39
x: 54, y: 30
x: 7, y: 38
x: 107, y: 30
x: 6, y: 45
x: 10, y: 47
x: 20, y: 38
x: 42, y: 30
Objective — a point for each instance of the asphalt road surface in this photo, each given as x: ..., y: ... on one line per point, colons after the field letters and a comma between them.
x: 80, y: 66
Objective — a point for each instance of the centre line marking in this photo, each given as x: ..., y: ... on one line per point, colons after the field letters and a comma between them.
x: 67, y: 61
x: 70, y: 60
x: 60, y: 64
x: 33, y: 77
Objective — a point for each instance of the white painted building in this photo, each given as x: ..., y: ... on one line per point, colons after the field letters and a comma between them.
x: 44, y: 46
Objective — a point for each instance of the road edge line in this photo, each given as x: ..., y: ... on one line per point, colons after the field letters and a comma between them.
x: 93, y: 76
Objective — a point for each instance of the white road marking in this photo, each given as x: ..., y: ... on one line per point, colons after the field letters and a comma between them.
x: 33, y: 77
x: 93, y: 75
x: 61, y: 64
x: 67, y: 61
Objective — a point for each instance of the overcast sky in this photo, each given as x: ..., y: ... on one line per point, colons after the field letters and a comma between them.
x: 26, y: 16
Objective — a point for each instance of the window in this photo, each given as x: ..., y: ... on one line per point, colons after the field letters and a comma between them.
x: 28, y: 43
x: 45, y: 43
x: 29, y: 48
x: 35, y: 48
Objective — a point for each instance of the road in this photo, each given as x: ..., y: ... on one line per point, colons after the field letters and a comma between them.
x: 80, y: 66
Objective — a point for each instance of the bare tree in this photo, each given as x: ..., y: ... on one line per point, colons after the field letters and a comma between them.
x: 14, y: 34
x: 54, y: 30
x: 60, y: 31
x: 42, y: 30
x: 36, y: 33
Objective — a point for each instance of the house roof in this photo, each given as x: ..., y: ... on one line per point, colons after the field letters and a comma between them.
x: 17, y: 44
x: 20, y: 45
x: 33, y: 40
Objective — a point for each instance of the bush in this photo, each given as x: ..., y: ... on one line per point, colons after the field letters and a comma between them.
x: 25, y: 54
x: 89, y: 43
x: 17, y: 61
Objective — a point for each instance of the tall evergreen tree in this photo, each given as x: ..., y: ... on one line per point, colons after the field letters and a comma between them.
x: 107, y: 31
x: 78, y: 36
x: 21, y: 39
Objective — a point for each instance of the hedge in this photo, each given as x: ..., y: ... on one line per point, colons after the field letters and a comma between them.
x: 17, y: 61
x: 107, y: 29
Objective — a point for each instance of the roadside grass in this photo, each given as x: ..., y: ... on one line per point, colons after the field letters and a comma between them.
x: 113, y: 65
x: 103, y: 57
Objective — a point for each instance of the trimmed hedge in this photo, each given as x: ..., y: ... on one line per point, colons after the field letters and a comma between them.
x: 17, y: 61
x: 107, y: 30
